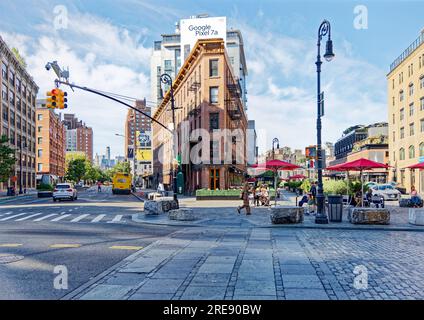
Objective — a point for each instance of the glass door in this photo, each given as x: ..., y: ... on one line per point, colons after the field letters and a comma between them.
x: 214, y: 179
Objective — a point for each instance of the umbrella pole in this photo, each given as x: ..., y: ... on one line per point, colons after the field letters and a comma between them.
x: 275, y: 187
x: 347, y: 183
x: 362, y: 190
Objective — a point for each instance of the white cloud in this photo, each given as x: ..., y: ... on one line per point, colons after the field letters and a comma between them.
x: 101, y: 56
x: 282, y: 88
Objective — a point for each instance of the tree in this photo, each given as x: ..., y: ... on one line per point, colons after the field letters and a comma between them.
x: 7, y: 159
x: 18, y: 57
x: 123, y: 167
x: 76, y: 170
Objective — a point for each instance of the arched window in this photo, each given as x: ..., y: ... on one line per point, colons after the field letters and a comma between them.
x: 411, y: 152
x: 422, y: 149
x: 401, y: 154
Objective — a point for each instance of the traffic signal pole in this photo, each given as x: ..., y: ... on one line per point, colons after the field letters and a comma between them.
x: 72, y: 86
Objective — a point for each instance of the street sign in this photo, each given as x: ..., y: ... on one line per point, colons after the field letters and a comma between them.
x: 130, y: 153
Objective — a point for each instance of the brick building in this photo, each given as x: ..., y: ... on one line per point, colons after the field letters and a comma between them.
x: 79, y: 137
x: 17, y: 109
x: 51, y: 137
x: 208, y: 97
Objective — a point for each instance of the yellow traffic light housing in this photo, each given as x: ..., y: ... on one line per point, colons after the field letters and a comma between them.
x: 52, y: 98
x: 62, y: 100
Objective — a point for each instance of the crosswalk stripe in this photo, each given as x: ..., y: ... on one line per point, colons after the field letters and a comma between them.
x: 65, y: 245
x: 98, y: 218
x: 60, y: 217
x: 116, y: 219
x: 63, y: 212
x: 7, y: 213
x: 28, y: 217
x: 80, y: 217
x: 126, y: 247
x: 10, y: 245
x: 45, y: 217
x: 15, y: 216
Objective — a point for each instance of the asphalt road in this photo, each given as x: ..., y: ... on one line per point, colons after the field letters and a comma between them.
x: 86, y: 236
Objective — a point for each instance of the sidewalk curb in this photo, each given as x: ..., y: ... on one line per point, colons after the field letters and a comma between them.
x: 138, y: 197
x: 12, y: 198
x: 134, y: 218
x: 77, y: 291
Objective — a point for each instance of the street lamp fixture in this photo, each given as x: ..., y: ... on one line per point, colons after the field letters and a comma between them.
x: 275, y: 140
x: 324, y: 30
x: 166, y: 79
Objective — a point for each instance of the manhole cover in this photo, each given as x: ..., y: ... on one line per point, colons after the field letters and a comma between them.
x: 8, y: 258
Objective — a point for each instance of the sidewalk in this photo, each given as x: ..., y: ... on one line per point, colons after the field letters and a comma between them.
x: 224, y: 214
x: 5, y: 198
x: 265, y: 264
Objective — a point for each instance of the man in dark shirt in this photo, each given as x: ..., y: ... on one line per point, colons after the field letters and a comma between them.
x: 313, y: 192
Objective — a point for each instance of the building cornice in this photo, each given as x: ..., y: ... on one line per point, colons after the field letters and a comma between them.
x: 6, y: 52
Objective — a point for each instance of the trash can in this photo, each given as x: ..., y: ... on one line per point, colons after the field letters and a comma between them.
x: 335, y: 208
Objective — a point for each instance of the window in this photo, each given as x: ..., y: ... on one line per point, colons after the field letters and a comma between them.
x: 40, y: 117
x: 401, y: 114
x: 411, y: 152
x: 422, y: 125
x: 40, y: 153
x: 39, y: 128
x: 401, y: 154
x: 411, y: 129
x: 422, y: 149
x: 4, y: 92
x: 11, y: 78
x: 5, y: 113
x: 401, y: 95
x: 422, y: 103
x: 168, y: 66
x: 11, y: 98
x: 422, y: 82
x: 394, y: 136
x: 3, y: 71
x: 213, y: 95
x: 213, y: 68
x: 393, y: 101
x: 40, y: 167
x: 402, y: 132
x: 411, y: 89
x: 393, y: 120
x: 213, y: 121
x: 40, y: 140
x: 411, y: 109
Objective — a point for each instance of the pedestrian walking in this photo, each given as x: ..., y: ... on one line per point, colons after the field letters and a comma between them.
x: 245, y: 197
x: 313, y: 193
x: 99, y: 186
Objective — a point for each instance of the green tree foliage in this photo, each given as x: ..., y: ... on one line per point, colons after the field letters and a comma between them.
x: 123, y: 167
x: 76, y: 170
x: 18, y: 56
x: 7, y: 159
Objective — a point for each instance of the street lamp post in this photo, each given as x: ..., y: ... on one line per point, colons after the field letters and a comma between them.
x: 324, y: 29
x: 275, y: 140
x: 166, y: 79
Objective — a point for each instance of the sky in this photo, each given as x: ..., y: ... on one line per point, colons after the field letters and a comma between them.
x: 107, y: 45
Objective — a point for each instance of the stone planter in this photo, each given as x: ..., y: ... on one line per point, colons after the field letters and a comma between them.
x: 416, y: 216
x: 155, y: 207
x: 286, y: 214
x: 369, y: 216
x: 181, y: 214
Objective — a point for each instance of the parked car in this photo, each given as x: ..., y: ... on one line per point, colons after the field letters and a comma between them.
x: 65, y: 191
x: 387, y: 191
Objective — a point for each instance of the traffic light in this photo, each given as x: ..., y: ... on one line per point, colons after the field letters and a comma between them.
x: 62, y: 99
x: 52, y: 98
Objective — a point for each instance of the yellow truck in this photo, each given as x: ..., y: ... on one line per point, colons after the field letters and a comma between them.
x: 121, y: 183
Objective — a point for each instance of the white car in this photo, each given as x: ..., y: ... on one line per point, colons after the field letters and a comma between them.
x: 64, y: 191
x: 387, y: 191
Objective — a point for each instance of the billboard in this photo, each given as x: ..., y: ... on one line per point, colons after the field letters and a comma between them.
x: 144, y: 155
x: 144, y: 139
x: 192, y: 30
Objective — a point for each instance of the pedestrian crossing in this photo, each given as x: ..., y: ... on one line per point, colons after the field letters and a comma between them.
x: 65, y: 216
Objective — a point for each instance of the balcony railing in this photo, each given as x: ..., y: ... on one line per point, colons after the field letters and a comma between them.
x: 407, y: 52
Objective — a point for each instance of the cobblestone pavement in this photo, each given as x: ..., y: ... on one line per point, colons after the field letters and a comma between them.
x: 262, y: 263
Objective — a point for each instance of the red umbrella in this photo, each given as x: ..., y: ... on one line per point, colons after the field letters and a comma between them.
x: 359, y: 165
x: 276, y: 165
x: 417, y: 166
